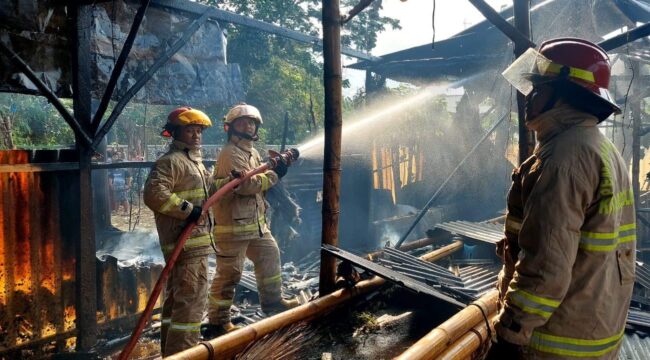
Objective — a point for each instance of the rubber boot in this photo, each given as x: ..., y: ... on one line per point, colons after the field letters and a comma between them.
x: 211, y: 331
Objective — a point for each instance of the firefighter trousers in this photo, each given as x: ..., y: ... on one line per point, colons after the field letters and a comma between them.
x: 183, y: 306
x: 264, y: 254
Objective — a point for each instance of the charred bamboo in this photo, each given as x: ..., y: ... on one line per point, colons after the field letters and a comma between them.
x: 416, y: 244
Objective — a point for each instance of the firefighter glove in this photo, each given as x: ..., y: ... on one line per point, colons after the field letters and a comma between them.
x: 281, y: 169
x: 195, y: 214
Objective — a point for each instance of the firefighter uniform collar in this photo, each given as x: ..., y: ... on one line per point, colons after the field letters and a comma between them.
x: 244, y: 144
x: 560, y: 118
x: 193, y: 152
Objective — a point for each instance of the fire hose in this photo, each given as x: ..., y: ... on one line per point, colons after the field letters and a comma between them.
x: 275, y: 158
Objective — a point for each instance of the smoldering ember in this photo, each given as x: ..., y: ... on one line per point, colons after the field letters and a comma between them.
x: 339, y: 179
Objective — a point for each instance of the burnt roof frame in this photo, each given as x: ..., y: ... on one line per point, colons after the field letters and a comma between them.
x: 119, y: 66
x: 19, y: 63
x: 144, y: 78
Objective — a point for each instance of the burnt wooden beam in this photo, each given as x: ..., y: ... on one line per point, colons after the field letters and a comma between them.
x: 119, y: 65
x: 332, y: 77
x: 80, y: 22
x: 522, y: 25
x: 142, y: 80
x: 625, y: 38
x: 520, y: 40
x: 45, y: 91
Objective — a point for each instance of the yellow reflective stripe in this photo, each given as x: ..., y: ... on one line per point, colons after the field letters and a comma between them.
x: 535, y: 309
x: 220, y: 302
x: 513, y: 225
x: 192, y: 242
x: 191, y: 327
x: 198, y: 241
x: 266, y: 183
x: 235, y: 229
x: 586, y: 75
x: 238, y: 229
x: 173, y: 200
x: 273, y: 279
x: 191, y: 194
x: 166, y: 321
x: 567, y: 346
x: 531, y: 303
x: 627, y: 227
x: 219, y: 183
x: 596, y: 241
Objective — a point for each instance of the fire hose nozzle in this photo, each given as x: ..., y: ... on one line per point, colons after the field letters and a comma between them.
x: 287, y: 157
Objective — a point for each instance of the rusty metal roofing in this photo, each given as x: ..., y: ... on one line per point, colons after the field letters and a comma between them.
x: 487, y: 232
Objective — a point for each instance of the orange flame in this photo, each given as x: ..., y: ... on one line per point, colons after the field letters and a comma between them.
x: 22, y: 262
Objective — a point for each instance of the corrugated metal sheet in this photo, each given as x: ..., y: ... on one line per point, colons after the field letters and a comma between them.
x: 636, y: 346
x: 486, y: 232
x: 38, y: 232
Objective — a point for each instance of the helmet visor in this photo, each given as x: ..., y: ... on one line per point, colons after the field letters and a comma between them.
x: 527, y: 70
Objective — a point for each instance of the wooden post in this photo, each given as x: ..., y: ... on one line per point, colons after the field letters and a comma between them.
x: 522, y: 23
x: 333, y: 128
x: 86, y: 291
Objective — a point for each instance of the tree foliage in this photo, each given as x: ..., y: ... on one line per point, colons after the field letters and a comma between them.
x: 284, y: 76
x: 34, y: 123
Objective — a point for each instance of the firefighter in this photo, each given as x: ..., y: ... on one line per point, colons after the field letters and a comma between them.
x: 569, y: 247
x: 175, y: 190
x: 241, y: 227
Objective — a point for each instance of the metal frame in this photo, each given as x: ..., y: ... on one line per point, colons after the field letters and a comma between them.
x: 119, y: 65
x: 229, y: 17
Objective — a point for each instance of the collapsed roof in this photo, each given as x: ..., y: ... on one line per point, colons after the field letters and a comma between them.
x: 482, y: 47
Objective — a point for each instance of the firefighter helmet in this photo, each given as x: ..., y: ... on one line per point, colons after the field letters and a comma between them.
x: 243, y: 110
x: 184, y: 116
x: 579, y: 61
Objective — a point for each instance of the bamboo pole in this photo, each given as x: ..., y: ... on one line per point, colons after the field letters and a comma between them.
x: 228, y: 345
x: 468, y: 344
x: 440, y: 338
x: 415, y: 244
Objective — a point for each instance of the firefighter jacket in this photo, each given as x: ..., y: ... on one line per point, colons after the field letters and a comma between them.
x: 177, y: 182
x: 570, y: 227
x: 241, y: 214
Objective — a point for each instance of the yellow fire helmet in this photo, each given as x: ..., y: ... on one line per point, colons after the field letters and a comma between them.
x: 243, y: 110
x: 184, y: 116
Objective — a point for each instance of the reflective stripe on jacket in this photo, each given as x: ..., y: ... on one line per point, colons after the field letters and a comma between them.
x: 241, y: 214
x: 571, y: 214
x: 177, y: 182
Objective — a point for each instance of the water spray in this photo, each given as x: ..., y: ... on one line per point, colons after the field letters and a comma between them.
x: 451, y: 175
x: 275, y: 158
x: 383, y: 114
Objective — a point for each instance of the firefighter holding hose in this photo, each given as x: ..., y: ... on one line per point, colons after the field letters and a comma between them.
x: 242, y: 230
x: 569, y: 251
x: 175, y: 190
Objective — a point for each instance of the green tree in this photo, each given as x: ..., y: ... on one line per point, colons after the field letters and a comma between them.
x: 361, y: 32
x: 281, y: 75
x: 33, y: 122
